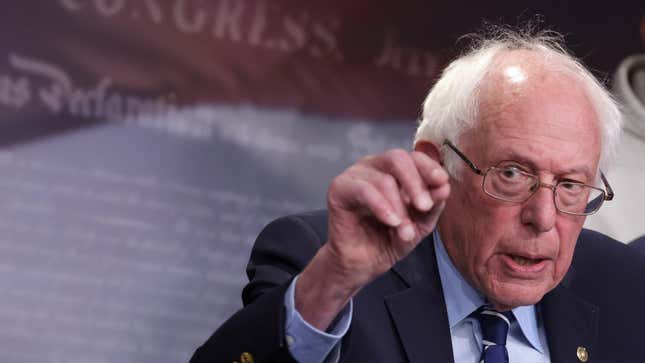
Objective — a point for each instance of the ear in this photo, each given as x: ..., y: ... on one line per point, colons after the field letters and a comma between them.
x: 429, y: 149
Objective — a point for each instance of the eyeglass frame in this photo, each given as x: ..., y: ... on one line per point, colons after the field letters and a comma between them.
x: 608, y: 194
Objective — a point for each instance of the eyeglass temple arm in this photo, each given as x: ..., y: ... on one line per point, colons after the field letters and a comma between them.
x: 608, y: 196
x: 463, y: 157
x: 610, y: 192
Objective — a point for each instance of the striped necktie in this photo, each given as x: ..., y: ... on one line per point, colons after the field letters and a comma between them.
x: 494, y: 326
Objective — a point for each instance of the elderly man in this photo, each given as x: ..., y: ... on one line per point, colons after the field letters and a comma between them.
x: 461, y: 250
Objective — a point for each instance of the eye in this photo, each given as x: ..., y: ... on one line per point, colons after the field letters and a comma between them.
x: 511, y: 173
x: 571, y: 187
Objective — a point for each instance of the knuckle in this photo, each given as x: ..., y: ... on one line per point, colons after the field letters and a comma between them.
x: 365, y: 190
x: 364, y: 187
x: 400, y: 161
x: 368, y: 159
x: 396, y: 154
x: 338, y: 182
x: 388, y: 182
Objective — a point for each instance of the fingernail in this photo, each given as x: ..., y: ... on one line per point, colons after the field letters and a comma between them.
x: 406, y: 233
x: 424, y: 202
x: 393, y: 220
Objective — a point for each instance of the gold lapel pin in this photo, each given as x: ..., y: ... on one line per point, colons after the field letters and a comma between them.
x: 246, y: 357
x: 582, y: 354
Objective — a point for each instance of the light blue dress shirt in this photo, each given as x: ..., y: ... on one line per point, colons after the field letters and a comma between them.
x: 526, y: 340
x: 306, y: 342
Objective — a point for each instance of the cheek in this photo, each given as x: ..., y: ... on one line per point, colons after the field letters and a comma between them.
x: 568, y: 236
x: 488, y: 228
x: 484, y: 222
x: 568, y: 228
x: 562, y: 264
x: 495, y: 220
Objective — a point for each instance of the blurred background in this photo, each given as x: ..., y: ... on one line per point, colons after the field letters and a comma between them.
x: 144, y: 144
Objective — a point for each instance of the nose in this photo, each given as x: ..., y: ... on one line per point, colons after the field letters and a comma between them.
x: 539, y: 212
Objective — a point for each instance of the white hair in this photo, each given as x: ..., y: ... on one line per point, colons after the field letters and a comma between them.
x: 452, y: 104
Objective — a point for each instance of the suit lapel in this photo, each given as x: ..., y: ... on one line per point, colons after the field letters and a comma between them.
x: 420, y: 317
x: 419, y: 312
x: 571, y: 325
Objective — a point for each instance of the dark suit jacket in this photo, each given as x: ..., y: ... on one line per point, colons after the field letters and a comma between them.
x: 401, y: 316
x: 638, y: 244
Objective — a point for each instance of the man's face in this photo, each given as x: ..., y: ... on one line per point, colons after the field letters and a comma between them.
x: 515, y: 253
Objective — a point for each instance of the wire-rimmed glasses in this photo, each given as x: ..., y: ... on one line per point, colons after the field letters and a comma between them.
x: 511, y: 182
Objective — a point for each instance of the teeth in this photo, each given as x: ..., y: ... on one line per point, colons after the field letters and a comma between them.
x: 522, y: 261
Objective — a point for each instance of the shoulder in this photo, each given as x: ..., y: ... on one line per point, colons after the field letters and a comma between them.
x: 314, y: 222
x: 283, y: 248
x: 304, y: 232
x: 638, y: 244
x: 596, y: 253
x: 601, y: 266
x: 594, y: 246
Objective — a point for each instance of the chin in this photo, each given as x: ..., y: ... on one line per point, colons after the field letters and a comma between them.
x: 509, y: 297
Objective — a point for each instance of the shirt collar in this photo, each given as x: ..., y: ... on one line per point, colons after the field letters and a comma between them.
x: 462, y: 299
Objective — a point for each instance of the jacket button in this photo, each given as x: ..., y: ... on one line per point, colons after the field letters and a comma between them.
x: 582, y: 354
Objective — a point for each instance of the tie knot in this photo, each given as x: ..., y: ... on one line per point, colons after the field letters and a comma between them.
x: 494, y: 325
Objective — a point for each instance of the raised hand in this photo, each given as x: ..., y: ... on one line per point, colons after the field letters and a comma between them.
x: 379, y: 209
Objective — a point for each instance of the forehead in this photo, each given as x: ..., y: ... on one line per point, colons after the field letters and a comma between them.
x: 534, y: 111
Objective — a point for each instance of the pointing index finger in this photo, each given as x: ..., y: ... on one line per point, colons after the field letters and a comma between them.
x: 431, y: 171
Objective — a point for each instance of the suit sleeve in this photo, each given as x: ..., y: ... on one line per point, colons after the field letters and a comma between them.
x: 280, y: 252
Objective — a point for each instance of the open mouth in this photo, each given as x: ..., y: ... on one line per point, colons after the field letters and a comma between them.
x: 524, y: 261
x: 525, y: 266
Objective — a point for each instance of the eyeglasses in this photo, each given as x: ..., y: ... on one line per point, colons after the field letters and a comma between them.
x: 510, y: 182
